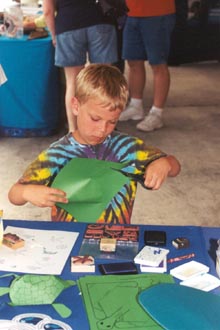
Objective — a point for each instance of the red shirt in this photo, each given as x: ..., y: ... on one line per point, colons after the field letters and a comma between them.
x: 143, y: 8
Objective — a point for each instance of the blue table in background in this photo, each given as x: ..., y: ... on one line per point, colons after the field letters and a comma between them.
x: 29, y: 100
x: 202, y: 243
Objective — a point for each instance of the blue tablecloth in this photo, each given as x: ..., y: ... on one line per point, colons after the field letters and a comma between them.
x: 199, y: 244
x: 29, y: 100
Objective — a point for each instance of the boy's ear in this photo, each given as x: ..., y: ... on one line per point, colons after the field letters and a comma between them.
x: 75, y: 106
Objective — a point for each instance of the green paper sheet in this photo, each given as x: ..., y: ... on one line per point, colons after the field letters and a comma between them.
x: 90, y: 184
x: 112, y: 301
x: 30, y: 289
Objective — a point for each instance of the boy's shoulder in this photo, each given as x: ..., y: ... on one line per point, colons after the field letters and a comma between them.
x: 63, y: 140
x: 124, y: 136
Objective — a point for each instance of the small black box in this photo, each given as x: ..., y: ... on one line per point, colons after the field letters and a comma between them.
x: 180, y: 243
x: 120, y: 268
x: 155, y: 237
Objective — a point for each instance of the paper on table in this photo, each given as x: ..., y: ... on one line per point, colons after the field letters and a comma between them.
x: 45, y: 251
x: 90, y: 184
x: 205, y: 282
x: 111, y: 301
x: 189, y: 270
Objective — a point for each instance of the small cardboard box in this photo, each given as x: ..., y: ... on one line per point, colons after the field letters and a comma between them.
x: 81, y: 264
x: 12, y: 241
x: 108, y: 244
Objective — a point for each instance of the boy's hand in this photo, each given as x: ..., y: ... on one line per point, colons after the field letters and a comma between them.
x: 43, y: 196
x: 157, y: 171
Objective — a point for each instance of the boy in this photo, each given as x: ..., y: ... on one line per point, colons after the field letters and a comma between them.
x: 101, y: 95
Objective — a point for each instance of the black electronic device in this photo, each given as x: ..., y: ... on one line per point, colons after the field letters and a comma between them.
x: 155, y: 237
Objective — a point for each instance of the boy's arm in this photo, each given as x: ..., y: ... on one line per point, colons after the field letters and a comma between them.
x: 158, y: 170
x: 38, y: 195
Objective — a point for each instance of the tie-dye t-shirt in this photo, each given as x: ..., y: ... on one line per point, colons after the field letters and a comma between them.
x: 117, y: 147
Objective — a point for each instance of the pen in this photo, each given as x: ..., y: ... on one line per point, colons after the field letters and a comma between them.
x: 186, y: 256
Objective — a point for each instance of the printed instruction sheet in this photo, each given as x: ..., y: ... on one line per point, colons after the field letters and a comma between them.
x: 44, y: 251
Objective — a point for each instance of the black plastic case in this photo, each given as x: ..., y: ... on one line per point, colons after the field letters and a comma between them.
x: 155, y: 237
x: 121, y: 268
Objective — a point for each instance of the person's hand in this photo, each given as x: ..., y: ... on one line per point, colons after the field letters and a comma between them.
x: 44, y: 196
x: 157, y: 172
x: 54, y: 41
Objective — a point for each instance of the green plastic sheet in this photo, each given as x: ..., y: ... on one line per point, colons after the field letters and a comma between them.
x: 178, y: 307
x: 90, y: 184
x: 112, y: 301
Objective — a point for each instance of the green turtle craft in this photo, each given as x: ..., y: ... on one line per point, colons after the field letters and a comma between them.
x: 30, y: 289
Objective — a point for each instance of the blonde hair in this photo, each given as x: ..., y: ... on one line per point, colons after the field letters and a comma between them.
x: 103, y: 82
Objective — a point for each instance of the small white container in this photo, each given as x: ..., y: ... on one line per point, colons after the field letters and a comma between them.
x: 13, y: 21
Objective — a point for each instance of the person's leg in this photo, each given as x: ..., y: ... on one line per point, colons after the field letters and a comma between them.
x: 70, y: 53
x: 136, y: 83
x: 158, y: 45
x: 161, y: 81
x: 70, y: 76
x: 134, y: 53
x: 161, y: 84
x: 136, y: 79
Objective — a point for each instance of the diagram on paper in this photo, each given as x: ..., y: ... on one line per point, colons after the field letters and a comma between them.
x: 44, y: 252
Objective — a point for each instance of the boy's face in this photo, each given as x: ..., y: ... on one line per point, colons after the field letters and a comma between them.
x: 94, y: 121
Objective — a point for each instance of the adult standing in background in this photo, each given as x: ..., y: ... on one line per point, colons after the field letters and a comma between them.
x: 79, y: 29
x: 147, y: 36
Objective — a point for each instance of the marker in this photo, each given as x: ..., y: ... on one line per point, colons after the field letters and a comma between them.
x: 186, y: 256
